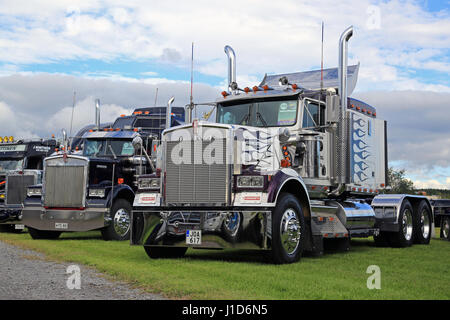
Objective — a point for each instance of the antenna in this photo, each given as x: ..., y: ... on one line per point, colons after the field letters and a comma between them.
x: 71, y: 119
x: 192, y: 83
x: 321, y: 64
x: 156, y: 96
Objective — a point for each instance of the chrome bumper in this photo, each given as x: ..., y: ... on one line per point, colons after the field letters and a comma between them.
x: 65, y: 220
x: 243, y: 229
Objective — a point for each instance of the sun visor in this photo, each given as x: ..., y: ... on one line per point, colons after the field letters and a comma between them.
x: 310, y: 80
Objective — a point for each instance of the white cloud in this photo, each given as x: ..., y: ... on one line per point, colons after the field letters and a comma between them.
x: 267, y: 36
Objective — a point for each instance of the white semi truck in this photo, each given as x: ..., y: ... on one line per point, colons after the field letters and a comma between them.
x: 287, y: 165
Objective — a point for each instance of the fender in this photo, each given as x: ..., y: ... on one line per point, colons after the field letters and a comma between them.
x: 120, y: 191
x: 288, y: 180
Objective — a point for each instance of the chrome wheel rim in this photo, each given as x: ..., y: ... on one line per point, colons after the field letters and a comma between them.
x: 121, y: 222
x: 290, y: 231
x: 446, y: 228
x: 232, y: 223
x: 425, y: 224
x: 407, y: 224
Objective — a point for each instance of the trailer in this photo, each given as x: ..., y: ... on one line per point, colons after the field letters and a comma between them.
x: 441, y: 211
x: 289, y: 165
x: 20, y: 166
x: 93, y: 188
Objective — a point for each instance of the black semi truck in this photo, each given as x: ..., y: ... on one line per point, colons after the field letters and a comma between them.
x: 93, y: 189
x: 21, y: 163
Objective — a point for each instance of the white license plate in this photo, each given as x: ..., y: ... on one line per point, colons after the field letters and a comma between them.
x: 59, y: 225
x: 19, y: 227
x: 193, y: 237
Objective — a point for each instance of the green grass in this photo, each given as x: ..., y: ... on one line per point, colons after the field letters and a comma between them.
x: 418, y: 272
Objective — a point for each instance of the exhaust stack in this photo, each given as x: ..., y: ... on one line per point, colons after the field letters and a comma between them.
x: 232, y: 84
x: 97, y: 114
x: 169, y: 112
x: 342, y: 173
x: 342, y: 69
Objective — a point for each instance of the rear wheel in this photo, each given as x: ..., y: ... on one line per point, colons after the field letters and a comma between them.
x: 422, y: 222
x: 445, y: 228
x: 404, y: 236
x: 288, y: 230
x: 43, y: 234
x: 119, y: 228
x: 165, y: 252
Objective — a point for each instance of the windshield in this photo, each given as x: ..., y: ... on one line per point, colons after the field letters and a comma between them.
x: 6, y: 165
x: 259, y: 114
x: 96, y: 148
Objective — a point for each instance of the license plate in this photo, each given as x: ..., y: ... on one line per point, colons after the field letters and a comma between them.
x: 193, y: 237
x: 59, y: 225
x: 19, y: 227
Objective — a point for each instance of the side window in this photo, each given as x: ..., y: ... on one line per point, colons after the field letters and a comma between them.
x: 312, y: 115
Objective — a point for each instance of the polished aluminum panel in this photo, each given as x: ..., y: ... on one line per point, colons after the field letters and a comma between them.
x: 16, y: 187
x: 195, y: 182
x: 65, y: 182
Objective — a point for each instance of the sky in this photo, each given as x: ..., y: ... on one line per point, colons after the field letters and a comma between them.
x: 122, y: 51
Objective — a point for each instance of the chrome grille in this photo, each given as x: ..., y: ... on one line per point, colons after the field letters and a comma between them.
x: 16, y: 188
x: 65, y: 186
x: 196, y: 183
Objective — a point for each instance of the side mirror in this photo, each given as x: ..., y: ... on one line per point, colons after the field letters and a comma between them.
x: 137, y: 143
x: 284, y: 135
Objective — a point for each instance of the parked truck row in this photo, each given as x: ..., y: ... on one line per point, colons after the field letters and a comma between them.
x: 286, y: 166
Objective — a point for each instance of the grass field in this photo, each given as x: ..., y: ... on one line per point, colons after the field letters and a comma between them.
x: 418, y: 272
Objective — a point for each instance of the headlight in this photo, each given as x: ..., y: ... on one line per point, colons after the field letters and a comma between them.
x: 250, y: 181
x: 100, y: 193
x: 34, y: 192
x: 149, y: 183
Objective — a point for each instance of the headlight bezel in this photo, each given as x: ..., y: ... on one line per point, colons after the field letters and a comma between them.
x: 149, y: 183
x: 34, y: 192
x: 97, y: 192
x: 251, y: 182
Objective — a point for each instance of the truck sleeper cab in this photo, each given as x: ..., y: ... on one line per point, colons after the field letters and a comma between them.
x: 20, y: 166
x: 285, y: 169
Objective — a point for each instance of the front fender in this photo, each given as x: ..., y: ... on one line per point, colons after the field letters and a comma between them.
x: 121, y: 191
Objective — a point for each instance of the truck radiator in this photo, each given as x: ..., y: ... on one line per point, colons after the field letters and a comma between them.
x: 16, y: 188
x: 65, y: 186
x: 196, y: 180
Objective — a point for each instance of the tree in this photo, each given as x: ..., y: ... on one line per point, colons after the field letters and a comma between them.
x: 398, y: 182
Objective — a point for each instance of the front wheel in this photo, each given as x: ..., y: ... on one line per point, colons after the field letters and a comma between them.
x: 288, y: 230
x: 43, y: 234
x: 119, y: 227
x: 445, y: 228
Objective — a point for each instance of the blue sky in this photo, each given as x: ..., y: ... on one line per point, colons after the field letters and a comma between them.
x: 403, y: 46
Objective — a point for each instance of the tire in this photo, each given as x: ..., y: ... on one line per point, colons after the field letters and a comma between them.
x: 165, y: 252
x: 382, y: 240
x: 404, y: 237
x: 43, y: 234
x: 288, y: 230
x: 119, y: 228
x: 422, y: 219
x: 445, y: 228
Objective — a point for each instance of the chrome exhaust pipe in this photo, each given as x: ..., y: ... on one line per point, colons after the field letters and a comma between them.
x: 169, y: 112
x: 342, y: 69
x: 97, y: 114
x: 341, y: 163
x: 232, y: 84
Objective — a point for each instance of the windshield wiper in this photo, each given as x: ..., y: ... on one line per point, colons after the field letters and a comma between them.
x: 259, y: 115
x: 245, y: 118
x: 112, y: 151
